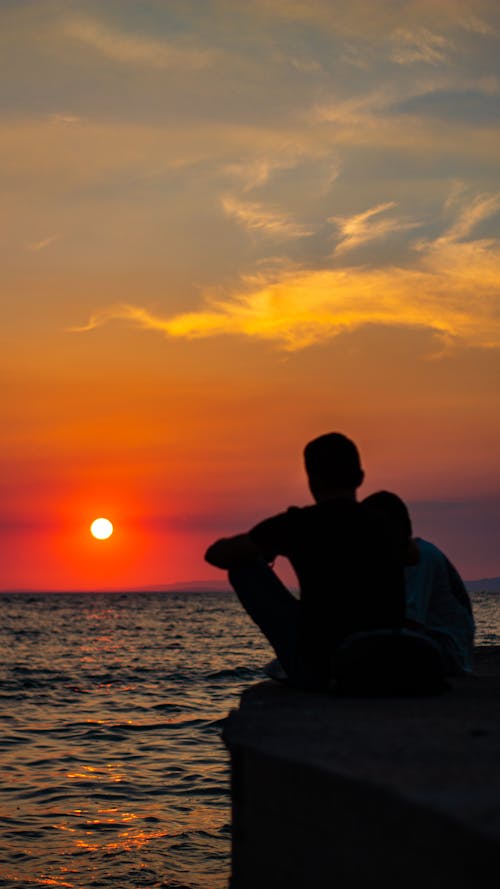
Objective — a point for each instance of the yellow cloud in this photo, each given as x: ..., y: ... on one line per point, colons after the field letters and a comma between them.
x: 454, y: 291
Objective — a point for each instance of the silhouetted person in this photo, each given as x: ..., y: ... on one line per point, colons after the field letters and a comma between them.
x: 347, y: 559
x: 437, y: 602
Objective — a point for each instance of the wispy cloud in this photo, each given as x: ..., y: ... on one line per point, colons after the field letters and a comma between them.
x: 66, y: 119
x: 361, y: 108
x: 362, y: 227
x: 480, y: 208
x: 122, y: 312
x: 137, y: 49
x: 348, y: 18
x: 452, y: 290
x: 373, y: 121
x: 476, y: 25
x: 257, y: 171
x: 420, y: 45
x: 458, y: 187
x: 43, y: 243
x: 469, y: 215
x: 257, y: 217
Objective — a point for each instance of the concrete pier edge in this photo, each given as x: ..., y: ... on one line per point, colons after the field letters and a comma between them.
x: 347, y: 792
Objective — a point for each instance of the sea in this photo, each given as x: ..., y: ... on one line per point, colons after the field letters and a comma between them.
x: 114, y: 772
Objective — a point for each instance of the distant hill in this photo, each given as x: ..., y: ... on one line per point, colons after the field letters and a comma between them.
x: 190, y: 586
x: 193, y: 586
x: 486, y: 585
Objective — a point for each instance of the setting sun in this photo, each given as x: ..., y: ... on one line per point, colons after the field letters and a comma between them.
x: 101, y: 529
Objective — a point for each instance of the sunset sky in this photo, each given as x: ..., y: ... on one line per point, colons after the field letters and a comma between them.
x: 229, y: 226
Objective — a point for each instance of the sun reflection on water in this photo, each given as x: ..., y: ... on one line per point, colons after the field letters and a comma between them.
x: 106, y: 772
x: 128, y: 841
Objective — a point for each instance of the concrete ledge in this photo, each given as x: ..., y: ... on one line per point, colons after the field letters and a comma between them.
x: 337, y: 792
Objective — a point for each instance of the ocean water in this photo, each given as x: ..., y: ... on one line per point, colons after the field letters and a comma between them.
x: 113, y: 769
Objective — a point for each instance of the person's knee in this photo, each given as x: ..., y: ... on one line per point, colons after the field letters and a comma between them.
x: 254, y: 571
x: 236, y: 576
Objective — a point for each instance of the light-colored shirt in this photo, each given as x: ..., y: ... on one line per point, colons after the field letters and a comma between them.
x: 436, y: 597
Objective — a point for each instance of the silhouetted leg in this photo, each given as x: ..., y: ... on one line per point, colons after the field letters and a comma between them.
x: 449, y: 653
x: 273, y: 608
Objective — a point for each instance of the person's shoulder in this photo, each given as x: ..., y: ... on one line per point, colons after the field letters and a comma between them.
x: 273, y: 535
x: 297, y: 516
x: 336, y: 507
x: 291, y: 513
x: 430, y: 550
x: 279, y: 518
x: 308, y: 516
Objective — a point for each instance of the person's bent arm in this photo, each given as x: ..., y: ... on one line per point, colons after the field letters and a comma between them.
x: 231, y: 551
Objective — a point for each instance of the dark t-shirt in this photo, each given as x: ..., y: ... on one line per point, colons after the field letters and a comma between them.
x: 349, y: 565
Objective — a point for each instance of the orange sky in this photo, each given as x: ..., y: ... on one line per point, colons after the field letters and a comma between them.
x: 228, y: 228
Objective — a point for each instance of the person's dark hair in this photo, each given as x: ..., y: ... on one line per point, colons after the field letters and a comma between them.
x: 393, y: 508
x: 332, y: 461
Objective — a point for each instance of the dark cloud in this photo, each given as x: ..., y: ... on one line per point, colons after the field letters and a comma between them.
x: 472, y: 106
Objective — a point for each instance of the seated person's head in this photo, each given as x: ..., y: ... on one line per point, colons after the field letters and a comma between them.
x: 333, y: 466
x: 394, y: 509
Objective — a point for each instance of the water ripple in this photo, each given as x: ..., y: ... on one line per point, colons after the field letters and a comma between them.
x: 114, y: 770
